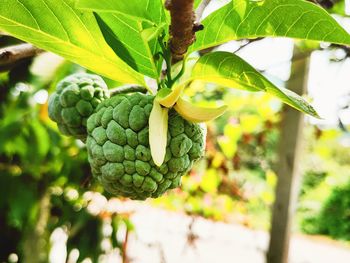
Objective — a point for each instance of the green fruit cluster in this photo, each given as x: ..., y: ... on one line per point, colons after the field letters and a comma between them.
x: 75, y: 99
x: 119, y: 151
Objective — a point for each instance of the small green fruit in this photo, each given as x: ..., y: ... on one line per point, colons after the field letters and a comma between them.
x: 75, y: 99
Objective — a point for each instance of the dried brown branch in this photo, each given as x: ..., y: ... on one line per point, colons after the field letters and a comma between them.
x: 183, y: 27
x: 9, y: 56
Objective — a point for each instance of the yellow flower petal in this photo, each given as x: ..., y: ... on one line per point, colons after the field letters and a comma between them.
x: 158, y: 130
x: 168, y: 97
x: 197, y: 114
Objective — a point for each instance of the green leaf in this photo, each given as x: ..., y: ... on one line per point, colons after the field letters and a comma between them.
x: 153, y: 32
x: 23, y: 201
x: 339, y: 8
x: 147, y: 10
x: 124, y: 36
x: 40, y: 141
x: 277, y: 18
x: 56, y: 26
x: 130, y: 28
x: 196, y: 3
x: 229, y: 70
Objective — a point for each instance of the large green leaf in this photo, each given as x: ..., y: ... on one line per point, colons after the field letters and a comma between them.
x: 229, y: 70
x: 128, y: 26
x: 285, y: 18
x: 146, y: 10
x: 124, y: 36
x: 56, y: 26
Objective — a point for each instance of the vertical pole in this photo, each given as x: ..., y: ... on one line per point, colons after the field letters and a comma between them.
x: 288, y: 165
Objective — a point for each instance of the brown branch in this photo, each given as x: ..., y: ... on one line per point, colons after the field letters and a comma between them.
x: 183, y: 27
x: 125, y: 246
x: 9, y: 56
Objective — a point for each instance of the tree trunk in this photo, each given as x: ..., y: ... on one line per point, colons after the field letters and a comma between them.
x: 288, y: 166
x: 35, y: 241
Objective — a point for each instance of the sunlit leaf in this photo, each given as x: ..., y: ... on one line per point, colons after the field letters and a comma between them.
x: 251, y: 123
x: 229, y: 70
x: 210, y: 181
x: 124, y: 36
x: 131, y: 28
x: 286, y: 18
x: 56, y: 26
x: 145, y: 10
x: 271, y: 178
x: 152, y: 32
x: 228, y: 147
x: 229, y: 142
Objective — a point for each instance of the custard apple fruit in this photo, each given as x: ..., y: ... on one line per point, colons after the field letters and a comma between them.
x: 75, y: 99
x: 119, y: 151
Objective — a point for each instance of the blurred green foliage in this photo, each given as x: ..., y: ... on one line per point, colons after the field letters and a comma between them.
x: 324, y: 198
x: 235, y: 182
x: 334, y: 219
x: 45, y: 177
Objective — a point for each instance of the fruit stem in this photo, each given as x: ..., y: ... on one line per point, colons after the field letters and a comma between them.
x: 166, y: 54
x: 127, y: 89
x: 182, y: 71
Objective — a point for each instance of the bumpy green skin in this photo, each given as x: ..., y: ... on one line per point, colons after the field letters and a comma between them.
x: 119, y: 153
x: 75, y: 99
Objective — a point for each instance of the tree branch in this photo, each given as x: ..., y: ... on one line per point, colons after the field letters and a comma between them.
x: 9, y: 56
x: 249, y: 41
x: 200, y: 9
x: 183, y: 27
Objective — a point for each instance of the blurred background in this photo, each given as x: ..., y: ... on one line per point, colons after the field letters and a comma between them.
x: 50, y: 210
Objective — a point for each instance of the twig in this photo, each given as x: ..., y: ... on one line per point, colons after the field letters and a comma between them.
x: 249, y: 41
x: 86, y: 182
x: 200, y: 9
x: 125, y: 246
x: 327, y: 4
x: 183, y: 27
x: 127, y: 89
x: 9, y: 56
